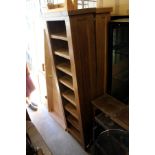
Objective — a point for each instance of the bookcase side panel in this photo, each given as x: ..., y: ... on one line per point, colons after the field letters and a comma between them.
x: 82, y: 28
x: 101, y: 52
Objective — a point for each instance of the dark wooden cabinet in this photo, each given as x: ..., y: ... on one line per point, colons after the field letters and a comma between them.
x: 115, y: 110
x: 111, y: 125
x: 78, y: 49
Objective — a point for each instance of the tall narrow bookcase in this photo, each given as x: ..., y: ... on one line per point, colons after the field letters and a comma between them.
x: 78, y: 49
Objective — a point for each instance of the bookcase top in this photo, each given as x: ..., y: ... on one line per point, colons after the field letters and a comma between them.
x: 53, y: 14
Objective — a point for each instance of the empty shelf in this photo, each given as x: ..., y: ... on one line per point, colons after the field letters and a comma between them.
x: 71, y: 110
x: 65, y: 80
x: 122, y: 118
x: 106, y: 122
x: 73, y: 121
x: 108, y: 104
x: 62, y: 53
x: 74, y: 133
x: 69, y: 95
x: 65, y: 67
x: 61, y: 36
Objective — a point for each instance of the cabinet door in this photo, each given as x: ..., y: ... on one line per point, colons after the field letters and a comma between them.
x: 54, y: 105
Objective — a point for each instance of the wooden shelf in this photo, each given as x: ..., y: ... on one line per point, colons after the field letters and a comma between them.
x: 71, y: 110
x: 65, y: 67
x: 114, y: 109
x: 74, y: 133
x: 108, y: 105
x: 61, y: 36
x: 73, y: 121
x: 62, y: 53
x: 69, y: 95
x: 106, y: 122
x: 65, y: 80
x: 122, y: 118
